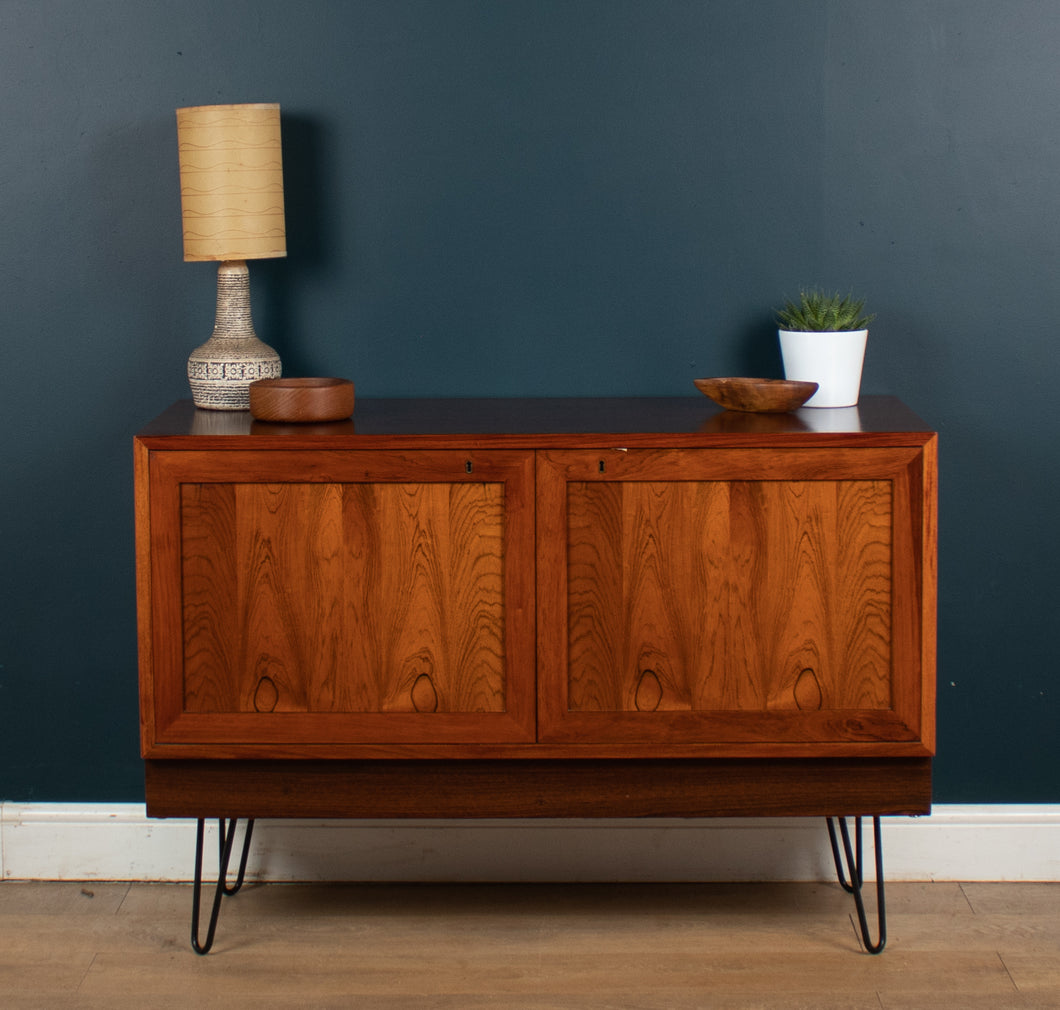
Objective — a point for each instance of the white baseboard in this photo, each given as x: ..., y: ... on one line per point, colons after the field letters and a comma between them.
x: 118, y: 842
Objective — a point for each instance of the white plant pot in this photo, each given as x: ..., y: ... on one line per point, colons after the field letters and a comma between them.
x: 832, y: 359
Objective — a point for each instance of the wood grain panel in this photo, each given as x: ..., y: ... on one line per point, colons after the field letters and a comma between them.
x: 737, y: 600
x: 211, y: 653
x: 743, y: 595
x: 319, y: 597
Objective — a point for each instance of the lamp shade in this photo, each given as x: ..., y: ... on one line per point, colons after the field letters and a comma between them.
x: 231, y: 182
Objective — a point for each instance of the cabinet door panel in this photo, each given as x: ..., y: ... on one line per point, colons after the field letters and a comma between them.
x: 699, y: 610
x: 343, y: 597
x: 744, y: 595
x: 332, y: 607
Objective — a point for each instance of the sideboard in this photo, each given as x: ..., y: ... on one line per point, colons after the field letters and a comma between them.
x: 538, y: 608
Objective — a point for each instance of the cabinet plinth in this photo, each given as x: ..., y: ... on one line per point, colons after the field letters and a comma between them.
x: 537, y: 608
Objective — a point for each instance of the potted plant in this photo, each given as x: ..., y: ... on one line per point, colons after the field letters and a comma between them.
x: 822, y: 340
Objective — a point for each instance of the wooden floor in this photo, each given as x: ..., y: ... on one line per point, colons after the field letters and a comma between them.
x: 524, y: 946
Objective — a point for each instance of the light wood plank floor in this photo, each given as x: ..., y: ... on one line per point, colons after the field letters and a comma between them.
x: 575, y: 947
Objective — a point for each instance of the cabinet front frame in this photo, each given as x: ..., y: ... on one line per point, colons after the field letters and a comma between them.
x: 537, y: 723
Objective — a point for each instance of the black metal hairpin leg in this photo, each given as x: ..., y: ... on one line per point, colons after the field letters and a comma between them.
x: 855, y: 866
x: 226, y: 835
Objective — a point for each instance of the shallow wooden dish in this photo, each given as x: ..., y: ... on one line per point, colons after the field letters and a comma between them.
x: 301, y: 400
x: 758, y: 396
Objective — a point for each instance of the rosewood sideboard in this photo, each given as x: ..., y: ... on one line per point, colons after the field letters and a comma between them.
x: 538, y: 608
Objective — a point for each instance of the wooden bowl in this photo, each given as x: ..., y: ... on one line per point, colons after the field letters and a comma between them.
x: 758, y: 396
x: 301, y: 400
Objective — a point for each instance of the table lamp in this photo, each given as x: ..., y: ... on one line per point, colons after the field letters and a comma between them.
x: 231, y: 196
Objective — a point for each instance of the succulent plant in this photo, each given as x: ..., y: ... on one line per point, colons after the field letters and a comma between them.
x: 821, y: 311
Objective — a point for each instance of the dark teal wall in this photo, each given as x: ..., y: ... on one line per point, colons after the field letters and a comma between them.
x: 561, y: 197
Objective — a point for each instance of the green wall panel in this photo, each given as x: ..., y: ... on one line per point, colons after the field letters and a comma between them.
x: 573, y: 197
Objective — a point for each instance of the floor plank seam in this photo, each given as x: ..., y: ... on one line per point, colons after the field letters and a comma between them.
x: 857, y: 932
x: 84, y: 975
x: 1015, y: 987
x: 124, y: 897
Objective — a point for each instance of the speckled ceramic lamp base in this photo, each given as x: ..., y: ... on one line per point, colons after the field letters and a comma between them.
x: 221, y: 370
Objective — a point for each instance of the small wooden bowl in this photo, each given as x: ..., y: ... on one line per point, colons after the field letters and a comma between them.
x: 758, y: 396
x: 301, y: 400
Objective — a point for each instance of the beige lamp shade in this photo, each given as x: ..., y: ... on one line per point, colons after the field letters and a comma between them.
x: 231, y: 182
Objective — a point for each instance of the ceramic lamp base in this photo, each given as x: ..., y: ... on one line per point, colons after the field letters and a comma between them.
x: 221, y: 370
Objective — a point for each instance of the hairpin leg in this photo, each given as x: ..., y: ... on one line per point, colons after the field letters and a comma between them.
x: 854, y: 865
x: 226, y: 836
x: 230, y: 890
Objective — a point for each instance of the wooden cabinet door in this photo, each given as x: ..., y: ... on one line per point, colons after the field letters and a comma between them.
x: 737, y: 601
x: 316, y: 603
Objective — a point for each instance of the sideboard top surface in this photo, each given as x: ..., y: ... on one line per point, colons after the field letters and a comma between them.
x: 543, y: 423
